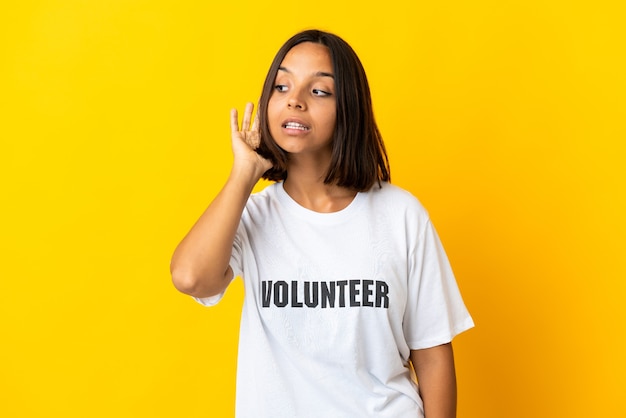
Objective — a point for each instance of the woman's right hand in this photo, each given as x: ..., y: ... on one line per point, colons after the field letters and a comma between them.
x: 246, y: 140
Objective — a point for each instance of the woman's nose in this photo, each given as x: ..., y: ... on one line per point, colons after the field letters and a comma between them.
x: 296, y: 102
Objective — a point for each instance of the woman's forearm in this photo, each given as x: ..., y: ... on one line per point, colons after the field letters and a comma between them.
x: 434, y: 368
x: 200, y: 264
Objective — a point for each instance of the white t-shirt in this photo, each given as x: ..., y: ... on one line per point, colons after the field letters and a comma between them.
x: 334, y: 302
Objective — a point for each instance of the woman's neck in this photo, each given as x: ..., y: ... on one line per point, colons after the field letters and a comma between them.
x: 305, y: 184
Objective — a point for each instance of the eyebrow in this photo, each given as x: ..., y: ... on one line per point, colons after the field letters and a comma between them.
x: 316, y: 74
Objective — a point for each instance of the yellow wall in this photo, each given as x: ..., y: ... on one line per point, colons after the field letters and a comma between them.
x: 507, y: 119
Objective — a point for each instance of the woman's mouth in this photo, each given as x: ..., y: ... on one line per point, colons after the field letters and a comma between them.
x: 296, y: 126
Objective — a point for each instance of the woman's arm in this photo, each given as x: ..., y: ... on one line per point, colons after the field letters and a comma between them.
x: 436, y: 376
x: 200, y: 264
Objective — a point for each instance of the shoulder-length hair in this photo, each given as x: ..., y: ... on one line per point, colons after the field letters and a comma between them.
x: 359, y: 158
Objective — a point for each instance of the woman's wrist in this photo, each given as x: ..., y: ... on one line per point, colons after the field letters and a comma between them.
x: 246, y: 174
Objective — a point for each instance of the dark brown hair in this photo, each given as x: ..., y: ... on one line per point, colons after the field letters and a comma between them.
x: 359, y: 158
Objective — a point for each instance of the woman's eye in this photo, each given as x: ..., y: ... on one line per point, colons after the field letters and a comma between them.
x: 280, y: 87
x: 318, y: 92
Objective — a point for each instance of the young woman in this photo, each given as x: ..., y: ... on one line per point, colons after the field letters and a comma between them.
x: 346, y: 282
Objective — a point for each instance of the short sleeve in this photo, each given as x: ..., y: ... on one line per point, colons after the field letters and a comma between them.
x: 435, y: 311
x: 235, y: 264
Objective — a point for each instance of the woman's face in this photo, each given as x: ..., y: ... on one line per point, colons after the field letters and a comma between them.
x: 302, y: 109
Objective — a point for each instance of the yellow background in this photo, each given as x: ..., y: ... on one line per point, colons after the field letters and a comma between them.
x: 507, y: 119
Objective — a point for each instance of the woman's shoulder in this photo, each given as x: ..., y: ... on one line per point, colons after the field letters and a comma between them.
x: 397, y: 194
x: 263, y: 198
x: 398, y: 206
